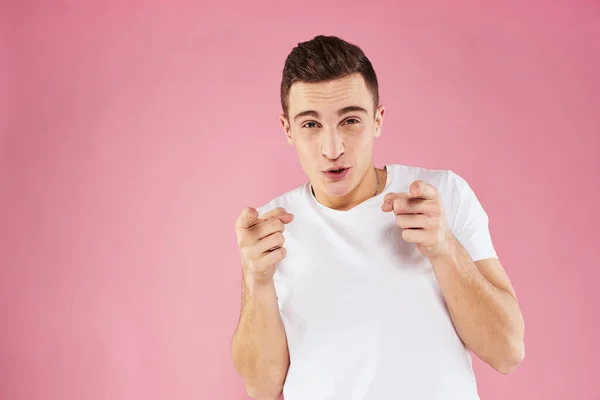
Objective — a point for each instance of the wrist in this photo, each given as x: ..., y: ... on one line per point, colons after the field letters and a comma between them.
x: 257, y: 283
x: 260, y: 291
x: 447, y: 253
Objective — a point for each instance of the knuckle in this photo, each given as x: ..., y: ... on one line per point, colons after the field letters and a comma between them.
x: 281, y: 252
x: 405, y: 234
x: 279, y: 238
x: 398, y: 205
x: 277, y: 224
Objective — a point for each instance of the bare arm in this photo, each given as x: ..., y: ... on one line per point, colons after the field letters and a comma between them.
x: 483, y: 307
x: 259, y: 345
x: 479, y: 296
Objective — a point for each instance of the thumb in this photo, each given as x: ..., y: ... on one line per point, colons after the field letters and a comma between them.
x: 388, y: 202
x: 286, y: 217
x: 248, y: 218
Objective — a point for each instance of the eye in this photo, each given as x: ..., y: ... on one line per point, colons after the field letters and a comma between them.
x: 352, y: 121
x: 310, y: 125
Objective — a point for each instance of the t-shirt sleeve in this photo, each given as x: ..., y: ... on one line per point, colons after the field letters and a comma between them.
x: 470, y: 222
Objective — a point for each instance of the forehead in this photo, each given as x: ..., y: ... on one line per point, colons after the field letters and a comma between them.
x: 330, y: 96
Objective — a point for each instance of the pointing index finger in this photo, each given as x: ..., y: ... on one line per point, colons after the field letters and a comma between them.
x: 388, y: 201
x: 249, y: 218
x: 274, y: 213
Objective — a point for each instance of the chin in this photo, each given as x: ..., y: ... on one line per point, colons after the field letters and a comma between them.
x: 337, y: 189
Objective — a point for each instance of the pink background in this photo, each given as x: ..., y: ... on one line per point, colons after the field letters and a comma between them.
x: 133, y: 135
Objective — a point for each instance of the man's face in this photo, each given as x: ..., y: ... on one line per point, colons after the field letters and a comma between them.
x: 332, y: 125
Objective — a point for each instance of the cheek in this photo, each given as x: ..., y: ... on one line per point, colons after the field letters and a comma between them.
x: 359, y: 140
x: 308, y: 151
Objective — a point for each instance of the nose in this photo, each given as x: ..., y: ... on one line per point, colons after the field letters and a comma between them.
x: 332, y: 144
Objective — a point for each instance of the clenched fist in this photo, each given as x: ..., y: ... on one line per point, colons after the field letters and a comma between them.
x: 421, y: 216
x: 261, y: 241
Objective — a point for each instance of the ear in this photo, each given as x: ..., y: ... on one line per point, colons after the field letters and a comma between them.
x: 379, y: 120
x: 286, y: 127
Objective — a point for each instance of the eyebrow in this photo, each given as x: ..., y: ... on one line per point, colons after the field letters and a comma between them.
x: 342, y: 111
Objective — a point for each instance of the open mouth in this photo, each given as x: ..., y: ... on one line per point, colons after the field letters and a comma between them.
x: 336, y: 173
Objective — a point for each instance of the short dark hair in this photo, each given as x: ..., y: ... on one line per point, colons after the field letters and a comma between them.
x: 326, y: 58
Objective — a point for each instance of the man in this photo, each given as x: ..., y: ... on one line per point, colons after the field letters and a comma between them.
x: 365, y: 283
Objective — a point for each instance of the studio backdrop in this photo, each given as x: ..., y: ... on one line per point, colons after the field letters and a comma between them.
x: 134, y: 133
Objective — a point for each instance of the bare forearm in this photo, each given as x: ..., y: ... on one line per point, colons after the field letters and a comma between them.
x: 259, y: 346
x: 487, y: 318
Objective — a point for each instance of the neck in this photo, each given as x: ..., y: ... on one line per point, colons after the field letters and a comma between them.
x: 363, y: 191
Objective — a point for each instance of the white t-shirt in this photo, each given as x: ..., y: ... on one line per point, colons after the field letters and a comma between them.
x: 362, y: 309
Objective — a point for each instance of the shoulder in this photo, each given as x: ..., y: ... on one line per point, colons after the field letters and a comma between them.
x: 445, y: 180
x: 454, y: 190
x: 291, y: 201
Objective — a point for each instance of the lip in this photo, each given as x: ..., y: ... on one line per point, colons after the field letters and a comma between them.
x: 335, y: 167
x: 334, y: 177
